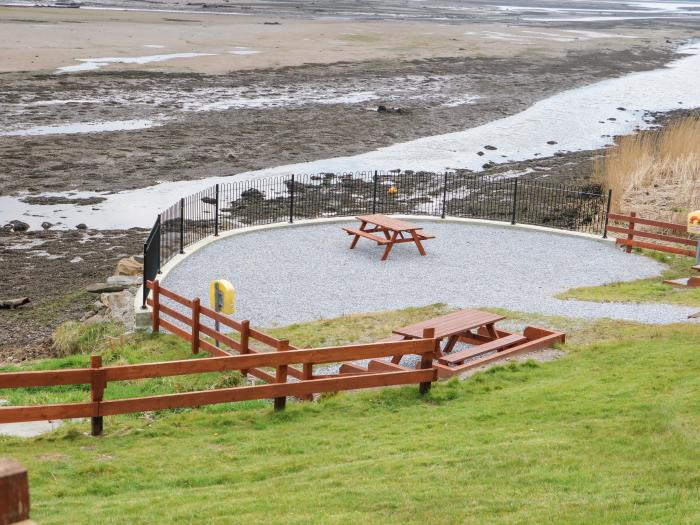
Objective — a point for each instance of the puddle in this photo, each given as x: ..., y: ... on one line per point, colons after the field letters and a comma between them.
x: 91, y: 64
x: 82, y: 127
x: 576, y: 120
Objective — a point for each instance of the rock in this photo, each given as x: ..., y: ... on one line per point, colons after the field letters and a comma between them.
x: 552, y: 142
x: 491, y: 148
x: 384, y: 109
x: 489, y: 164
x: 4, y: 402
x: 105, y: 288
x: 17, y: 226
x: 621, y: 109
x: 612, y: 118
x: 272, y: 24
x: 125, y: 280
x: 82, y: 226
x: 129, y: 266
x: 46, y: 225
x: 480, y: 153
x: 253, y: 194
x: 381, y: 109
x: 209, y: 200
x: 120, y: 307
x: 13, y: 303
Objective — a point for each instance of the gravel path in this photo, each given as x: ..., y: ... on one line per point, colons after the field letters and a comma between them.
x: 298, y: 274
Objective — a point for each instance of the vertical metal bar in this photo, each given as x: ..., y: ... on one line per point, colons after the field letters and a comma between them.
x: 291, y: 201
x: 146, y: 265
x: 374, y: 193
x: 216, y: 213
x: 515, y: 200
x: 159, y: 221
x: 182, y: 225
x: 444, y: 196
x: 607, y: 214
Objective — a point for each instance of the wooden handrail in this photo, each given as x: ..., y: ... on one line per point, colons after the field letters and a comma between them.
x: 647, y: 222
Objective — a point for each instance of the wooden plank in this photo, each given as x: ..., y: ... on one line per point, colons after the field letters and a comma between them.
x: 229, y: 395
x: 213, y: 350
x: 223, y: 319
x: 218, y: 336
x: 657, y: 247
x: 648, y: 222
x: 652, y: 235
x: 171, y: 312
x: 268, y: 359
x: 388, y: 222
x: 495, y: 345
x: 263, y: 338
x: 20, y: 414
x: 451, y: 324
x: 14, y: 492
x: 175, y: 297
x: 370, y: 236
x: 77, y: 376
x: 376, y: 365
x: 167, y: 325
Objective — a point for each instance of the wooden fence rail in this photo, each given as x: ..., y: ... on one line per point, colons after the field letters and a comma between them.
x: 14, y: 493
x: 281, y: 359
x: 674, y: 243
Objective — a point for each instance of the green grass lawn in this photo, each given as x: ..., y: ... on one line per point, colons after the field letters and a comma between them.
x: 606, y: 434
x: 651, y: 290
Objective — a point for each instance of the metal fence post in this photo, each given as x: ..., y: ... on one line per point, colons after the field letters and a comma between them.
x: 182, y: 225
x: 145, y: 275
x: 291, y: 201
x: 607, y: 214
x: 216, y: 213
x: 444, y: 196
x: 515, y: 201
x: 374, y: 193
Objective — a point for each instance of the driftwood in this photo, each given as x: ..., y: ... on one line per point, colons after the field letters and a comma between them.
x: 13, y: 303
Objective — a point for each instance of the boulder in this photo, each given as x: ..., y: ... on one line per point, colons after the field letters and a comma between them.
x: 120, y: 307
x: 82, y: 226
x: 125, y: 280
x: 105, y: 288
x: 13, y: 303
x: 129, y: 266
x: 489, y: 164
x: 17, y: 226
x: 46, y: 225
x: 489, y: 147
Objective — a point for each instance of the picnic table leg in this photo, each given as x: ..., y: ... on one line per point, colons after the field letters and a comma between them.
x: 416, y: 239
x: 451, y: 342
x: 357, y: 237
x: 492, y: 330
x: 397, y: 358
x: 389, y: 246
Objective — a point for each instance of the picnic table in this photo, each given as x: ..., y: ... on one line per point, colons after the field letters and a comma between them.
x: 456, y: 326
x: 393, y: 231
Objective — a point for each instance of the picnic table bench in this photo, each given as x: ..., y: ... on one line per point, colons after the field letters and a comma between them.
x: 392, y: 231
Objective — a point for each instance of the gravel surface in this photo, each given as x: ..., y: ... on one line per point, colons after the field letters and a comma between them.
x: 304, y: 273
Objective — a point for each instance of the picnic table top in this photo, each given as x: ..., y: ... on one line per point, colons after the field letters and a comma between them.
x: 388, y: 222
x: 451, y: 324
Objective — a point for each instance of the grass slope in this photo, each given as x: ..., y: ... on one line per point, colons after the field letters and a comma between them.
x: 607, y: 434
x: 651, y: 290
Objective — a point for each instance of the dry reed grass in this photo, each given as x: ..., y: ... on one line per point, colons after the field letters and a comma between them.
x: 655, y: 173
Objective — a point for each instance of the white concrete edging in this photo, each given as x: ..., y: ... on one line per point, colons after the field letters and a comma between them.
x: 192, y: 248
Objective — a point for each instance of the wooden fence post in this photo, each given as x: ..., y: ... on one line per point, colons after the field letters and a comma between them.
x: 14, y: 492
x: 281, y: 375
x: 426, y: 360
x: 306, y: 374
x: 196, y: 308
x: 630, y: 236
x: 155, y: 312
x: 245, y: 341
x: 97, y: 389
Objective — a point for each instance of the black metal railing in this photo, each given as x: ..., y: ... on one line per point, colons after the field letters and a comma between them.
x: 240, y: 204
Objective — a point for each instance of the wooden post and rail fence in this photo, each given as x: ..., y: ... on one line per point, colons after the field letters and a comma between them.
x: 14, y: 493
x: 669, y: 236
x: 285, y: 361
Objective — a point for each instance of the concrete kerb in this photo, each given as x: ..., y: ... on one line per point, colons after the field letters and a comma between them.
x: 143, y: 314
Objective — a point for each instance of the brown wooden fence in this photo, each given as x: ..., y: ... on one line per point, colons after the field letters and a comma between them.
x: 669, y: 237
x: 14, y: 493
x: 249, y: 361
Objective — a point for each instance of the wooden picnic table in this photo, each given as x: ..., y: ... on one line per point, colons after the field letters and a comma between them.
x: 394, y: 231
x: 453, y: 327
